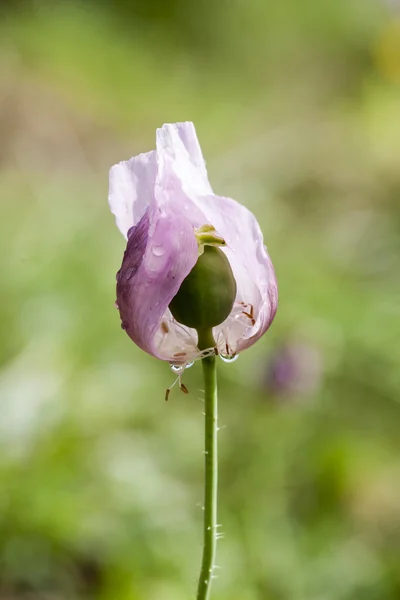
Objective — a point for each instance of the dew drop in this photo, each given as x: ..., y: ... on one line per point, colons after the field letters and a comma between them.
x: 158, y: 250
x: 229, y: 359
x: 116, y: 304
x: 124, y: 325
x: 189, y: 364
x: 129, y: 273
x: 177, y: 368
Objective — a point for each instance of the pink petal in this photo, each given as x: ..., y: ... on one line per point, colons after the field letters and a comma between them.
x: 160, y: 253
x: 252, y: 268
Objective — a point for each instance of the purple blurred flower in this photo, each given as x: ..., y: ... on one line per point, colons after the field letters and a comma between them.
x: 159, y: 199
x: 295, y: 369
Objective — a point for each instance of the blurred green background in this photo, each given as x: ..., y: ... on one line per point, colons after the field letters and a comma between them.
x: 297, y: 107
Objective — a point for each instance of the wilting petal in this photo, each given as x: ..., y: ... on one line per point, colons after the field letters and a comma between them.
x: 147, y: 201
x: 257, y: 291
x: 160, y: 253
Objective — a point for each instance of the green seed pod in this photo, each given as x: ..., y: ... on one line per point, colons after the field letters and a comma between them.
x: 206, y: 296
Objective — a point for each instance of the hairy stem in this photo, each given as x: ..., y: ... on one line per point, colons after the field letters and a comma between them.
x: 211, y: 467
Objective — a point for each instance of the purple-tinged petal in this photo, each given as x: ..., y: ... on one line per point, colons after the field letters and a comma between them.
x: 257, y: 294
x: 132, y: 189
x: 160, y: 253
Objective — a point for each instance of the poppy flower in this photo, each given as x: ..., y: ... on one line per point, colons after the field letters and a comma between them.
x: 166, y: 209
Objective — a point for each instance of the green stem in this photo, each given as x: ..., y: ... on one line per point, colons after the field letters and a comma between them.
x: 206, y: 340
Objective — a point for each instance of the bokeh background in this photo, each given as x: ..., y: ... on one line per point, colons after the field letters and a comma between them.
x: 297, y: 106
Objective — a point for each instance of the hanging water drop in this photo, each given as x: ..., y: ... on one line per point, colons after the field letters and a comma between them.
x: 229, y: 359
x: 189, y: 364
x: 177, y: 368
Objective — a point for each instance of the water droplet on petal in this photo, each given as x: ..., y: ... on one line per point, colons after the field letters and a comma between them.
x: 190, y: 364
x: 129, y: 273
x: 158, y: 250
x: 116, y: 304
x: 229, y: 359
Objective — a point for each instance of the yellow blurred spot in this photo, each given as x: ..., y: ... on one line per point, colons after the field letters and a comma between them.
x: 388, y: 51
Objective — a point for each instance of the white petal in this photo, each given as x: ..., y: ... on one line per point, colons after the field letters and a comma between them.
x: 132, y: 189
x: 178, y: 142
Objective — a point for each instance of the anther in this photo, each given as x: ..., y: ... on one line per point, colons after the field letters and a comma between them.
x: 184, y: 388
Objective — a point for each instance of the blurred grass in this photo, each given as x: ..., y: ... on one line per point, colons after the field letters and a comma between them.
x: 297, y: 108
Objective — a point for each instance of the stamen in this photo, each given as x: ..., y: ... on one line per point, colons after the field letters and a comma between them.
x: 179, y: 326
x: 168, y: 390
x: 239, y: 322
x: 252, y: 319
